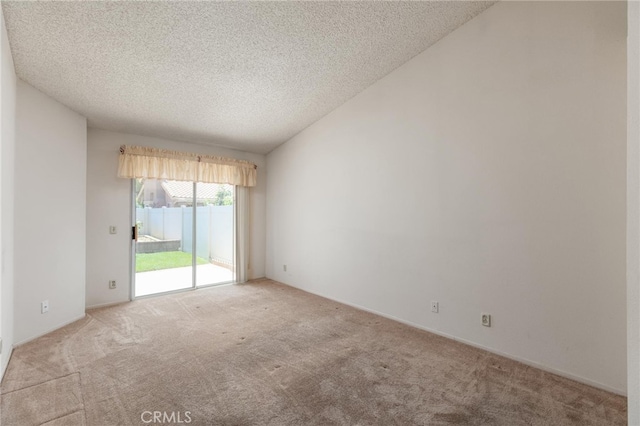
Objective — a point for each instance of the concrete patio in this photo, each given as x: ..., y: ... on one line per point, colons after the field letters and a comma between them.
x: 164, y: 280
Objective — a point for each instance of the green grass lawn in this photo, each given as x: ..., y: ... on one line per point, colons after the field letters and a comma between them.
x: 164, y: 260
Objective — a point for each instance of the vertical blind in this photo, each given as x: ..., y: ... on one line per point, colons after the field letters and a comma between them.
x: 154, y: 163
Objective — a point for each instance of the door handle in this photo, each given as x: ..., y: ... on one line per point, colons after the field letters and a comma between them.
x: 134, y: 232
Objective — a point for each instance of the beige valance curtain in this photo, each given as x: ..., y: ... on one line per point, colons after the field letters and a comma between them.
x: 154, y: 163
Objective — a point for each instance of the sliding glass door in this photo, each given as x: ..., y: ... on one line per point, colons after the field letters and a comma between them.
x: 185, y: 235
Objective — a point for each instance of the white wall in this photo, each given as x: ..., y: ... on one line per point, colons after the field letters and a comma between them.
x: 50, y: 213
x: 633, y: 212
x: 488, y: 173
x: 7, y: 154
x: 109, y: 203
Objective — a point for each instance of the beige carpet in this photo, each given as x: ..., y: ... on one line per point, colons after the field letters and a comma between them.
x: 266, y: 354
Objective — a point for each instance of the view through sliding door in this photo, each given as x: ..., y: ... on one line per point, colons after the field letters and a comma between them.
x: 185, y: 235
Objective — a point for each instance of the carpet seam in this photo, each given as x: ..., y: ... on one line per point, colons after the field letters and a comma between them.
x: 84, y: 410
x: 41, y: 383
x: 65, y: 415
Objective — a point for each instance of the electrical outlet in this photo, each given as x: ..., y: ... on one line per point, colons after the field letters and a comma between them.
x: 284, y: 268
x: 44, y: 306
x: 434, y: 306
x: 486, y: 320
x: 112, y: 284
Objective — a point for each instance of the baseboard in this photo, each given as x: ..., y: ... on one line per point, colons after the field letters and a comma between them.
x: 4, y: 367
x: 529, y: 362
x: 258, y: 278
x: 104, y: 305
x: 525, y: 361
x: 22, y: 342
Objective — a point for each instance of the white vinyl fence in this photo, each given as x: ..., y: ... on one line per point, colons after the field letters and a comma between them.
x: 214, y: 231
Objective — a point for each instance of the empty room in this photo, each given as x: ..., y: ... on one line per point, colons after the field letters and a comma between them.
x: 320, y: 213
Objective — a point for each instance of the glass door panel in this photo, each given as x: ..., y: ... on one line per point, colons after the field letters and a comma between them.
x: 215, y: 233
x: 163, y: 250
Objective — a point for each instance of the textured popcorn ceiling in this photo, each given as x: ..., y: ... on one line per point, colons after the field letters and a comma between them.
x: 247, y: 75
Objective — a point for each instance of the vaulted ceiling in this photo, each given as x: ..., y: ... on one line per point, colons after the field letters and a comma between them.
x: 245, y: 75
